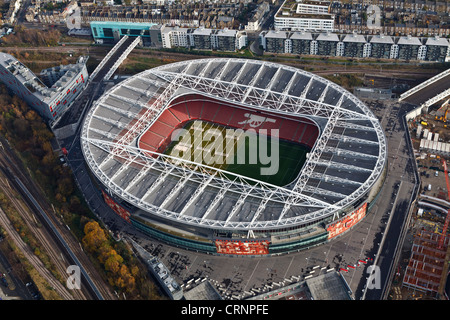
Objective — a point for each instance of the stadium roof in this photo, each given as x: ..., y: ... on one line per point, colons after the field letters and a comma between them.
x: 347, y: 159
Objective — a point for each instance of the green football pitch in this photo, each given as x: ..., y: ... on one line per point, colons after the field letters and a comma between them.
x: 252, y: 155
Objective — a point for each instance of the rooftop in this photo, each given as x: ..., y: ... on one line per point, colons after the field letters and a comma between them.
x: 328, y: 36
x: 381, y: 38
x: 329, y: 286
x: 202, y: 31
x: 33, y: 83
x: 409, y: 40
x: 437, y: 41
x: 276, y: 34
x: 203, y: 291
x: 355, y: 38
x: 301, y: 35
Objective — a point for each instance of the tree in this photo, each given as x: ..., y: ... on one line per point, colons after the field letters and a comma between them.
x: 112, y: 264
x: 94, y: 236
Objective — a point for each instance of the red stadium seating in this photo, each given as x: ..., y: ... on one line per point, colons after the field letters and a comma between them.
x: 168, y: 118
x: 197, y: 107
x: 161, y: 129
x: 152, y: 139
x: 209, y: 112
x: 180, y: 112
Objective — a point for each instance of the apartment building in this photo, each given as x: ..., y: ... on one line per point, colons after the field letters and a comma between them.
x: 51, y: 96
x: 356, y: 46
x: 409, y: 48
x: 306, y: 15
x: 301, y: 42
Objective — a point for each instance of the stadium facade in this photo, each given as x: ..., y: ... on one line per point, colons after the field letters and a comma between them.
x: 201, y: 207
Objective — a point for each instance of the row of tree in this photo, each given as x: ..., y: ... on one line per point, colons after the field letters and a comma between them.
x: 32, y: 139
x: 97, y: 243
x: 31, y: 37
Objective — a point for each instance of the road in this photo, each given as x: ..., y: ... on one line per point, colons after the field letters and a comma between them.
x: 399, y: 191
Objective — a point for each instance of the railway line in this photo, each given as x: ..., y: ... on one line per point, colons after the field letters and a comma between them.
x: 40, y: 234
x: 33, y: 259
x: 60, y: 244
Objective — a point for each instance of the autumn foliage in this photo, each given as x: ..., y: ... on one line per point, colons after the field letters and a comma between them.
x: 31, y: 137
x: 97, y: 243
x: 31, y: 37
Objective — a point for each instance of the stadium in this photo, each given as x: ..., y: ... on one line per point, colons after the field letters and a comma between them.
x: 234, y: 156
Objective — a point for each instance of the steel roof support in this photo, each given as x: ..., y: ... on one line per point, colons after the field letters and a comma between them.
x: 115, y: 123
x: 122, y: 149
x: 203, y: 185
x: 219, y: 196
x: 180, y: 184
x: 129, y: 114
x: 241, y: 94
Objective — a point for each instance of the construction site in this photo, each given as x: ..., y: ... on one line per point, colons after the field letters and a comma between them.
x: 422, y: 272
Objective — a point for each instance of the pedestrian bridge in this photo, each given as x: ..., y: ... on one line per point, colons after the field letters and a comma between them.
x: 429, y: 92
x: 114, y: 58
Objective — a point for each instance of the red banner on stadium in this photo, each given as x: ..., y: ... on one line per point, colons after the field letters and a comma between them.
x: 242, y: 247
x: 348, y: 222
x: 116, y: 207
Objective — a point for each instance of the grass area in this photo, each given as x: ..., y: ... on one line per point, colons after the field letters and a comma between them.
x: 244, y: 153
x: 347, y: 81
x: 291, y: 157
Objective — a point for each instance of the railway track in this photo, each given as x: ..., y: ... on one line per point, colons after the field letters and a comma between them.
x: 44, y: 238
x: 64, y: 249
x: 33, y: 259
